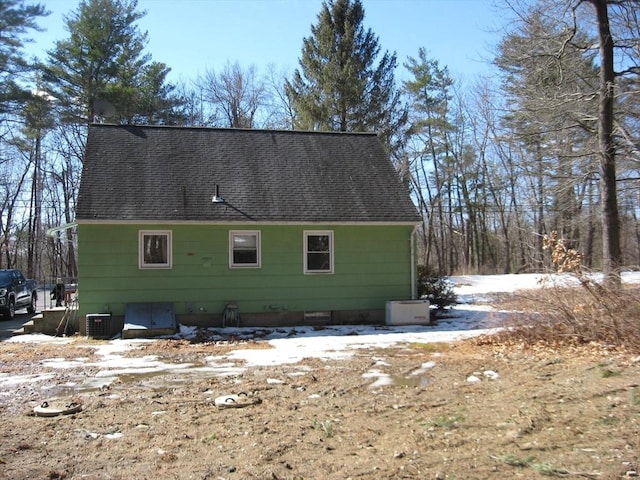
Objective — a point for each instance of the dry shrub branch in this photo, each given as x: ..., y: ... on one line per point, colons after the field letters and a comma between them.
x: 589, y: 314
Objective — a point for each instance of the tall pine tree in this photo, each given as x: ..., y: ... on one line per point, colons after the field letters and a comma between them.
x: 340, y: 85
x: 16, y: 19
x: 103, y: 59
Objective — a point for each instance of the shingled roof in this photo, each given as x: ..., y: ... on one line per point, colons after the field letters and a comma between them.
x: 145, y: 173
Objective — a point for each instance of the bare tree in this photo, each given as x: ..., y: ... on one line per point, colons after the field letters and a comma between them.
x: 554, y: 80
x: 281, y: 113
x: 235, y: 96
x: 14, y: 173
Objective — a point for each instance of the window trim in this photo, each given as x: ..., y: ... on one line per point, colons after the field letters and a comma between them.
x: 307, y: 234
x: 257, y: 234
x: 141, y: 244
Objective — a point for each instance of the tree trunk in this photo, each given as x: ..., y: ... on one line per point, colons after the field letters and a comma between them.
x: 33, y: 254
x: 611, y: 252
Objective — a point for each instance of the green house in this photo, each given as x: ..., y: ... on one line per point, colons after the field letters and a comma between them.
x: 257, y: 226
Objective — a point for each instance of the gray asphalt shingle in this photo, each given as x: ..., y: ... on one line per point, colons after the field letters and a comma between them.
x: 170, y: 173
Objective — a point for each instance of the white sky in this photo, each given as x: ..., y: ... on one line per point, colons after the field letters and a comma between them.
x: 191, y: 36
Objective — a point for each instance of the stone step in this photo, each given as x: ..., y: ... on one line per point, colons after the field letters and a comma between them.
x: 28, y: 327
x: 46, y: 322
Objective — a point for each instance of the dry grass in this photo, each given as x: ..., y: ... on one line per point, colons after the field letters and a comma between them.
x: 605, y: 315
x: 557, y: 316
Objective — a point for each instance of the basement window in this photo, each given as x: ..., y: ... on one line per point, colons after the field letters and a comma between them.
x: 154, y: 249
x: 244, y: 249
x: 318, y: 251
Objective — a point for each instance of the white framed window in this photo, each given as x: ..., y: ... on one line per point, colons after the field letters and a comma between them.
x: 244, y: 249
x: 155, y: 249
x: 318, y: 251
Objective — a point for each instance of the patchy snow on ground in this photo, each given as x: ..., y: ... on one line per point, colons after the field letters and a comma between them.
x: 471, y: 317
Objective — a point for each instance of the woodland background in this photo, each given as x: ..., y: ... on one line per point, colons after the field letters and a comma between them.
x: 550, y: 142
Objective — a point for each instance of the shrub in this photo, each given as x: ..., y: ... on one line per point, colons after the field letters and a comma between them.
x: 559, y: 315
x: 435, y: 288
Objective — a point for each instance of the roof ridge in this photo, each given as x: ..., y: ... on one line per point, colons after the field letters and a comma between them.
x: 229, y: 129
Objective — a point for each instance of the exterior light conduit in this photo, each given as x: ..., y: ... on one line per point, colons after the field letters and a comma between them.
x: 216, y: 197
x: 52, y: 231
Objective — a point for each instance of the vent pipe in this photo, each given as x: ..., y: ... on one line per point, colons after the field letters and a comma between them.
x: 216, y: 197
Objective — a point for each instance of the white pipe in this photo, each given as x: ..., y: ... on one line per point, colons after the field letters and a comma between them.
x: 54, y: 230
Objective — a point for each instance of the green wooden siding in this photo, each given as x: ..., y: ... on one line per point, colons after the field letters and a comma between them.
x: 372, y: 265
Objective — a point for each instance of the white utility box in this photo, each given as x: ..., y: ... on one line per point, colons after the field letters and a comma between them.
x: 408, y: 312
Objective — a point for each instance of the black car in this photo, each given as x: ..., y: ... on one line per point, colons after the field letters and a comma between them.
x: 16, y: 292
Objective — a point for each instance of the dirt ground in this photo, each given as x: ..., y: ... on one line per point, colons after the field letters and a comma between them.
x: 453, y: 411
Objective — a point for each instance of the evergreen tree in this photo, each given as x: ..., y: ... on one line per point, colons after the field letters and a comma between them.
x: 16, y: 18
x: 340, y: 86
x: 104, y: 59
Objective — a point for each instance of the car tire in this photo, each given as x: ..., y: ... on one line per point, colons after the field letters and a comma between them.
x: 31, y: 308
x: 10, y: 311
